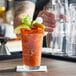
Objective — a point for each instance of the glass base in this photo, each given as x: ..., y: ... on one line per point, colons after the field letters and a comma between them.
x: 4, y: 50
x: 31, y: 67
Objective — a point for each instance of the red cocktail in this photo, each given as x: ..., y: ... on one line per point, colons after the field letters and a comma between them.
x: 32, y: 46
x: 32, y: 39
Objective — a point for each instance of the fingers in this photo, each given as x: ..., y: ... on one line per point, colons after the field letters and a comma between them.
x: 62, y: 16
x: 49, y: 29
x: 49, y: 24
x: 17, y: 22
x: 47, y: 13
x: 40, y: 13
x: 48, y: 18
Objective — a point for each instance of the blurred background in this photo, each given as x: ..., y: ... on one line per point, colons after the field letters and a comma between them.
x: 62, y: 39
x: 7, y: 16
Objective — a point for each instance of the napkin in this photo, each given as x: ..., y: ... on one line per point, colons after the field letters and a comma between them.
x: 22, y: 68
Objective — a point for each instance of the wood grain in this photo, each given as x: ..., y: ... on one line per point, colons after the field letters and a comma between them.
x: 55, y: 68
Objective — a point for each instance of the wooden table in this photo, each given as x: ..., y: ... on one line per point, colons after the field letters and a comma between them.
x: 55, y: 68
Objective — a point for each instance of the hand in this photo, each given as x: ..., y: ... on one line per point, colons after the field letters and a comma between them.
x: 17, y: 21
x: 48, y: 20
x: 61, y: 16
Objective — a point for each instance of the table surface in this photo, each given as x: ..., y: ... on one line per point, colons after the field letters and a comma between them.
x: 55, y: 68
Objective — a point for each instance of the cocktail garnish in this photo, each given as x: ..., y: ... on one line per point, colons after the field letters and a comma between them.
x: 28, y: 24
x: 19, y: 27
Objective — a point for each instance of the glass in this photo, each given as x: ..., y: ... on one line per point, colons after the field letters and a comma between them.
x: 71, y: 41
x: 58, y: 36
x: 2, y: 30
x: 2, y: 8
x: 3, y: 48
x: 71, y: 32
x: 2, y: 11
x: 32, y: 47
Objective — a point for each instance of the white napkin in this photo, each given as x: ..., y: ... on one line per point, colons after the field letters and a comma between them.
x: 22, y: 68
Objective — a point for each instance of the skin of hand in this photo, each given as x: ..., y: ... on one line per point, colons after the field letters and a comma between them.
x: 23, y: 8
x: 48, y: 20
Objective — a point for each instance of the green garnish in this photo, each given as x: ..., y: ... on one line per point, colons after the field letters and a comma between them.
x: 27, y: 20
x: 28, y: 24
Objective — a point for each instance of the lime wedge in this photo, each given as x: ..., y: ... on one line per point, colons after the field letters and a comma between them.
x: 19, y: 27
x: 39, y: 25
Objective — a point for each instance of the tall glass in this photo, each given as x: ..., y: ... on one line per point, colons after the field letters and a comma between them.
x: 2, y: 8
x: 3, y: 40
x: 32, y: 47
x: 71, y: 32
x: 57, y: 38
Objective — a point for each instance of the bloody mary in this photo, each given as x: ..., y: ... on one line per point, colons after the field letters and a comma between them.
x: 32, y: 46
x: 32, y: 39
